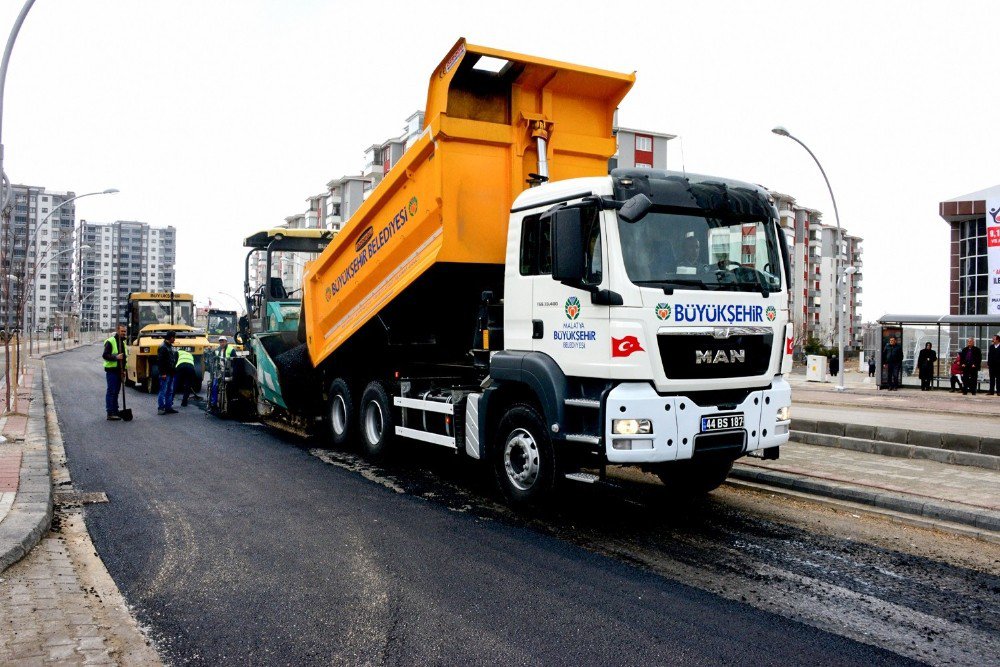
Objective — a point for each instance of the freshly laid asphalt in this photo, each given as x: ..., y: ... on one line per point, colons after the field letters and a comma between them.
x: 234, y: 545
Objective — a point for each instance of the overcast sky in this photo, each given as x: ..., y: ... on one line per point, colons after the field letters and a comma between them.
x: 221, y: 117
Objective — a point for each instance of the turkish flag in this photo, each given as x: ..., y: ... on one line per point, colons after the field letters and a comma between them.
x: 789, y: 345
x: 623, y: 347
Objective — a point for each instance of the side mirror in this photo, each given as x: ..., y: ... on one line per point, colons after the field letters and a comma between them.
x: 635, y: 209
x: 567, y: 245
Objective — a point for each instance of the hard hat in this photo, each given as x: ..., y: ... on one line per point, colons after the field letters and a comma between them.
x: 223, y: 339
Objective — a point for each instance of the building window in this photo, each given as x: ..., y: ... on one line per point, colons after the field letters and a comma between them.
x: 643, y: 151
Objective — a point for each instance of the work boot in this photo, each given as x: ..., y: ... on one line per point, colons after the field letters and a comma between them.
x: 170, y: 411
x: 184, y: 402
x: 161, y: 411
x: 114, y: 418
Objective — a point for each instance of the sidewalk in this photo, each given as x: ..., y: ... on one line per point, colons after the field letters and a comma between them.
x: 891, y: 450
x: 57, y: 602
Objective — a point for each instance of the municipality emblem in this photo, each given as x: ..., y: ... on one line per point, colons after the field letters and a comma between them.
x: 770, y: 313
x: 572, y: 308
x: 662, y: 311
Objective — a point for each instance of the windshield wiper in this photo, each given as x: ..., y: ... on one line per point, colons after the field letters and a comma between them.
x: 665, y: 283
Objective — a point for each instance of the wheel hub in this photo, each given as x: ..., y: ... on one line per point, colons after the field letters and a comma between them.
x: 338, y: 415
x: 373, y: 422
x: 520, y: 459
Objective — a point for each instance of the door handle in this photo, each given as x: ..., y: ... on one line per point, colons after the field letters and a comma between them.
x: 537, y: 329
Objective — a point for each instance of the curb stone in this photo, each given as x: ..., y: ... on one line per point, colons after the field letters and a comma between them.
x: 931, y: 509
x: 31, y: 514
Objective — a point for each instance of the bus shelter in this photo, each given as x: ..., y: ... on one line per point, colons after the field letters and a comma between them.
x: 946, y: 334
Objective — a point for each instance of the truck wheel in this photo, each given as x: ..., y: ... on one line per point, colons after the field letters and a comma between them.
x: 340, y: 413
x: 694, y: 478
x: 375, y: 421
x: 523, y: 457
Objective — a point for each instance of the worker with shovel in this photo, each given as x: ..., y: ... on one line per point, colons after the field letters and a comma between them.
x: 114, y: 369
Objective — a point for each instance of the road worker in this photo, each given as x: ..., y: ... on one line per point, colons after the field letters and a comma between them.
x: 114, y: 369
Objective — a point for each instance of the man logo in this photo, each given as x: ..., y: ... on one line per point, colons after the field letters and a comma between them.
x: 662, y: 311
x: 363, y: 238
x: 720, y: 357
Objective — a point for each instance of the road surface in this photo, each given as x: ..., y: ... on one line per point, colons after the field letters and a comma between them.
x: 237, y: 545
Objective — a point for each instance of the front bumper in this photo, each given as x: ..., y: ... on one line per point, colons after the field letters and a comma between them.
x: 676, y: 421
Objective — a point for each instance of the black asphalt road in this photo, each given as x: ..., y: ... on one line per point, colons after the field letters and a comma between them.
x: 235, y: 545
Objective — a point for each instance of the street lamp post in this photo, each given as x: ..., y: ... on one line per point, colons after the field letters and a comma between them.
x: 39, y: 263
x: 33, y: 236
x: 838, y: 259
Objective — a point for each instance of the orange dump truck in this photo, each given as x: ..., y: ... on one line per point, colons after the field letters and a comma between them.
x: 500, y: 294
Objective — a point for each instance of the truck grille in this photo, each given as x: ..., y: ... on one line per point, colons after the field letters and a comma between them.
x: 688, y: 357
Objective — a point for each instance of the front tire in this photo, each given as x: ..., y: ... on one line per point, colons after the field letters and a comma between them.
x: 375, y: 421
x: 340, y: 413
x: 523, y: 457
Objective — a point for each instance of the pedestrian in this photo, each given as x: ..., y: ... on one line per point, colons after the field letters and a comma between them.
x: 925, y: 366
x: 892, y: 357
x: 166, y: 361
x: 993, y: 361
x: 972, y: 359
x: 185, y: 377
x: 834, y: 366
x: 871, y: 368
x: 114, y: 369
x: 956, y: 373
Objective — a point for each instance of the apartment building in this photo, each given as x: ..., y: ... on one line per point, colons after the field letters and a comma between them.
x: 124, y: 256
x: 814, y: 249
x: 40, y: 219
x: 639, y: 148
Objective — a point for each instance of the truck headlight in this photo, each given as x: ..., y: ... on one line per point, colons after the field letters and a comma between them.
x: 784, y: 413
x: 631, y: 426
x: 144, y: 350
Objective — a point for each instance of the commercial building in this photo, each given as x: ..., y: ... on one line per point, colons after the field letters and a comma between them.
x: 975, y: 263
x: 126, y: 256
x: 37, y: 219
x: 813, y: 301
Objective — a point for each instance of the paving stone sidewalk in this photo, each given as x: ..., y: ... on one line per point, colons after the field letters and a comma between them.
x: 958, y: 494
x: 58, y: 605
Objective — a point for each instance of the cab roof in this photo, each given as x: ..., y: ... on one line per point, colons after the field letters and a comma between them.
x: 303, y: 240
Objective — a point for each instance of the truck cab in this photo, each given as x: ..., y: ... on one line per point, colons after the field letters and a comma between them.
x: 659, y: 302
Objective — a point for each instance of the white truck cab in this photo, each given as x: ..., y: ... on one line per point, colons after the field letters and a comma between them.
x: 659, y: 303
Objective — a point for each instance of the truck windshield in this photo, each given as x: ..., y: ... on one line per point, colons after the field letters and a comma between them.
x: 692, y: 252
x: 223, y: 324
x: 158, y: 312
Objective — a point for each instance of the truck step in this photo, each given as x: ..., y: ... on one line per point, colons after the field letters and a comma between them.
x: 583, y: 403
x: 579, y: 437
x: 585, y: 477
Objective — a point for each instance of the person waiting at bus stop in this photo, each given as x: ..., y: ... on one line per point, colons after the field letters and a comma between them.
x: 892, y: 357
x: 972, y: 359
x: 185, y: 379
x: 925, y: 366
x: 165, y: 361
x: 114, y: 368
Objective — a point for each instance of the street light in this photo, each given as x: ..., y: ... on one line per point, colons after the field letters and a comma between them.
x: 34, y: 293
x: 839, y: 300
x: 32, y: 237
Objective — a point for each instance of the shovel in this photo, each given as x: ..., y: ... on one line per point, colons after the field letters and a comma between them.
x: 124, y: 413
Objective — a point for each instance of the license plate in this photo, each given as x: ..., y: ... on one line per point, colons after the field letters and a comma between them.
x: 721, y: 423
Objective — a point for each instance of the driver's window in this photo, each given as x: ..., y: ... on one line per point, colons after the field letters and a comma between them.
x: 594, y: 262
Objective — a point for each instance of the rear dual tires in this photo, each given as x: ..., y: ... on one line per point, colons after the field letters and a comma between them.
x: 340, y: 416
x: 376, y: 421
x: 523, y: 458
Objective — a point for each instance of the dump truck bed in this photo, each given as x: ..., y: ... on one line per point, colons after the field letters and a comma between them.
x: 447, y: 201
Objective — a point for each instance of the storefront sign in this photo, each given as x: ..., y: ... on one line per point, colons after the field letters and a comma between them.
x: 993, y: 254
